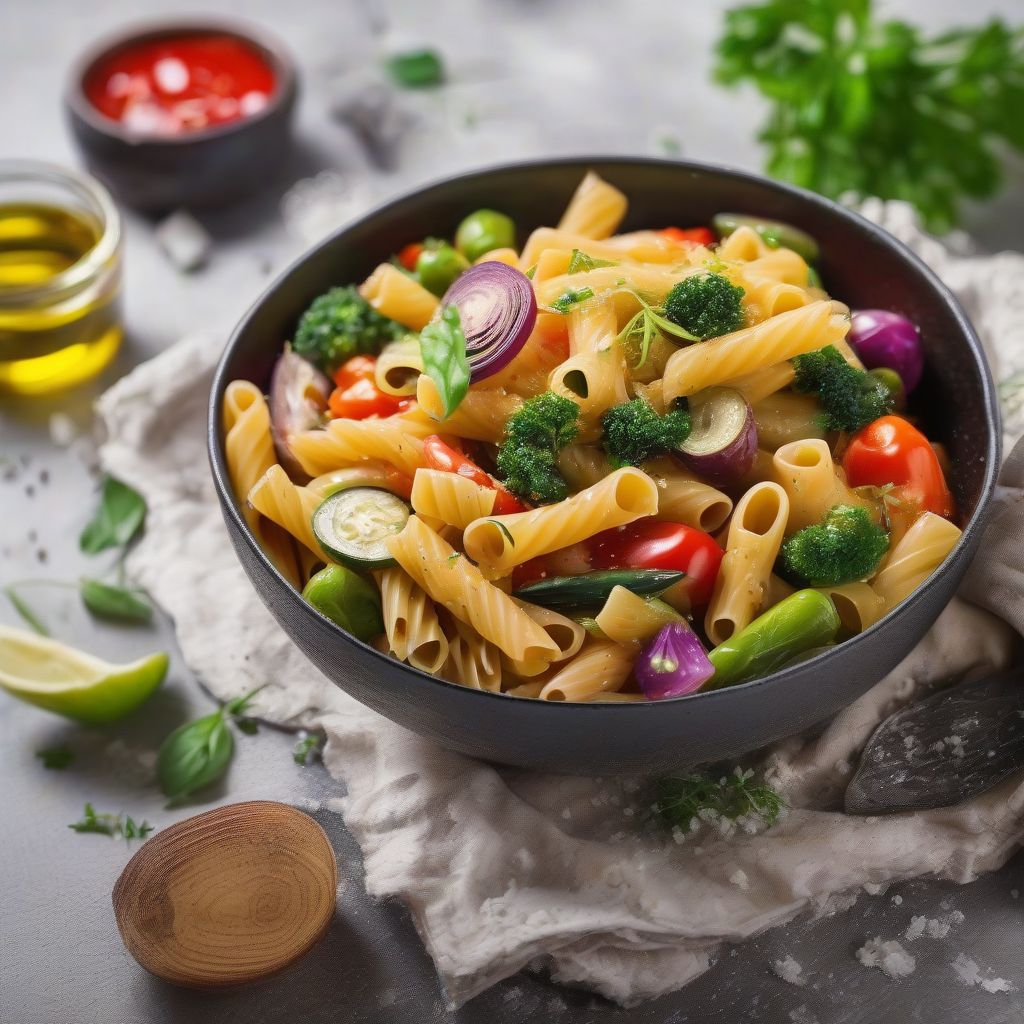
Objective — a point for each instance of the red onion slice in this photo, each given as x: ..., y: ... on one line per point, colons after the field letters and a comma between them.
x: 723, y: 442
x: 884, y: 339
x: 497, y: 311
x: 673, y: 664
x: 298, y: 400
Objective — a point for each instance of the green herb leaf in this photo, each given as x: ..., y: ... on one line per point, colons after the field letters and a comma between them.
x: 580, y: 261
x: 195, y: 755
x: 571, y: 297
x: 56, y: 759
x: 239, y: 705
x: 122, y: 825
x: 307, y: 750
x: 505, y: 530
x: 443, y: 348
x: 119, y: 517
x: 249, y: 726
x: 112, y: 602
x: 416, y: 69
x: 24, y: 609
x: 682, y: 800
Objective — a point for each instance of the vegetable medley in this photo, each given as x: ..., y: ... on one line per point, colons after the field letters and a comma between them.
x: 595, y: 466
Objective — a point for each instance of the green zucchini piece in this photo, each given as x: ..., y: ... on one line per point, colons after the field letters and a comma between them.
x: 347, y: 600
x: 590, y: 589
x: 774, y: 233
x: 353, y: 526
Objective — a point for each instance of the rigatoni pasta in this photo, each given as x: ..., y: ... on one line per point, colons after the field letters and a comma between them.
x: 546, y: 463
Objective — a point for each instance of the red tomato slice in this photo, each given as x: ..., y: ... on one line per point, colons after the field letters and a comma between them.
x: 440, y: 455
x: 409, y: 254
x: 695, y: 236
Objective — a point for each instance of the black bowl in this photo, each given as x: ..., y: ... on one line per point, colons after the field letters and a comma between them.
x: 209, y: 167
x: 861, y: 264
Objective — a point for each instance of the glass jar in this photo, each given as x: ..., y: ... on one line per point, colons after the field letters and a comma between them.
x: 60, y: 278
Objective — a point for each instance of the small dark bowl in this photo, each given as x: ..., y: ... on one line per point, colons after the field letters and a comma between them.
x: 210, y: 167
x: 860, y: 264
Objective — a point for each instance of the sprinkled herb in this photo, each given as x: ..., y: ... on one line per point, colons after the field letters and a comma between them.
x: 505, y: 530
x: 56, y: 759
x: 119, y: 517
x: 114, y: 825
x: 571, y: 297
x: 580, y: 261
x: 682, y: 800
x: 307, y: 750
x: 416, y: 69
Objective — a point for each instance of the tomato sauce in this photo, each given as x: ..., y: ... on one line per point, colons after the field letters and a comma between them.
x: 178, y: 85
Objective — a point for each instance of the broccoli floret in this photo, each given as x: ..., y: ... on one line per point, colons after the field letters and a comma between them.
x: 533, y: 437
x: 341, y: 324
x: 847, y: 546
x: 707, y: 305
x: 850, y: 397
x: 634, y: 432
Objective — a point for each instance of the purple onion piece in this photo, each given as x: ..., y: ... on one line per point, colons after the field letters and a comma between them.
x: 497, y: 310
x: 884, y: 339
x: 298, y: 400
x: 673, y: 664
x: 723, y: 442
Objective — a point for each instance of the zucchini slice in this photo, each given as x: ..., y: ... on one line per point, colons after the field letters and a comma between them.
x: 353, y: 526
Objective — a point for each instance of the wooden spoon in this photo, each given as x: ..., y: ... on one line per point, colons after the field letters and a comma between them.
x: 229, y: 896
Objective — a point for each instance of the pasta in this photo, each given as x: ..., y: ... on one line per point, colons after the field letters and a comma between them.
x: 455, y: 583
x: 755, y: 536
x: 548, y: 524
x: 502, y: 542
x: 447, y: 498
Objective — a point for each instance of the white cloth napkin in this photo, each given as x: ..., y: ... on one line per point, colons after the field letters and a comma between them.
x: 505, y: 868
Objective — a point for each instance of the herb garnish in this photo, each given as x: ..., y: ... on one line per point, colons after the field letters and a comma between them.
x: 443, y: 348
x: 571, y: 297
x: 580, y: 261
x: 642, y: 328
x: 110, y: 601
x: 118, y: 519
x: 24, y: 609
x: 416, y: 69
x: 122, y: 825
x: 683, y: 801
x: 56, y: 759
x: 307, y: 750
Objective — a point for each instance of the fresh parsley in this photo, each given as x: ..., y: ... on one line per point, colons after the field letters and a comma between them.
x: 197, y: 753
x: 682, y: 800
x: 416, y: 69
x: 571, y: 297
x: 56, y: 759
x: 580, y: 261
x: 119, y: 518
x: 114, y: 825
x: 307, y: 750
x: 443, y: 348
x: 644, y: 326
x: 874, y: 107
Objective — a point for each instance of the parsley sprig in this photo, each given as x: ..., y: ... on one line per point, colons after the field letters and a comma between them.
x: 681, y: 800
x: 121, y: 825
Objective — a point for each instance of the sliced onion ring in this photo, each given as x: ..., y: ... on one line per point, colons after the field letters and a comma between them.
x: 497, y: 309
x: 723, y: 442
x: 673, y: 664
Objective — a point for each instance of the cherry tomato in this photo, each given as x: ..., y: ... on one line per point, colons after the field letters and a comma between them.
x: 409, y: 255
x: 892, y: 451
x: 652, y: 544
x: 357, y: 396
x: 440, y: 455
x: 696, y: 236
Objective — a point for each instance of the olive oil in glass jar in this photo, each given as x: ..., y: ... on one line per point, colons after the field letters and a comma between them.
x: 60, y: 278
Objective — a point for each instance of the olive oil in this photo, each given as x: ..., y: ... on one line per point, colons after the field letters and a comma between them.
x: 59, y: 295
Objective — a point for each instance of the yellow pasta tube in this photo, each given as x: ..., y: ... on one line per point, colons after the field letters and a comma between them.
x: 366, y: 474
x: 582, y: 465
x: 397, y: 440
x: 651, y: 280
x: 566, y: 634
x: 480, y: 416
x: 755, y: 536
x: 636, y: 247
x: 504, y: 255
x: 399, y: 297
x: 684, y: 498
x: 759, y: 384
x: 920, y: 551
x: 449, y: 498
x: 782, y: 265
x: 500, y: 543
x: 811, y: 480
x: 472, y: 661
x: 410, y: 621
x: 458, y: 585
x: 785, y: 417
x: 603, y: 666
x: 707, y: 363
x: 398, y: 368
x: 629, y: 619
x: 595, y: 210
x: 858, y: 605
x: 766, y: 297
x: 744, y: 244
x: 291, y: 507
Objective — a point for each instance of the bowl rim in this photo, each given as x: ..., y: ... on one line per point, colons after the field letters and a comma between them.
x: 270, y: 47
x: 973, y: 527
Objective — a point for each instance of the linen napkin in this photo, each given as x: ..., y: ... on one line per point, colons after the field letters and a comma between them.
x: 504, y: 869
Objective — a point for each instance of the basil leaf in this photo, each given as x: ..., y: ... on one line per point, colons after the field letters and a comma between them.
x: 443, y: 348
x: 24, y: 609
x: 580, y: 261
x: 119, y: 517
x: 112, y: 825
x: 194, y: 755
x: 112, y: 602
x: 307, y: 750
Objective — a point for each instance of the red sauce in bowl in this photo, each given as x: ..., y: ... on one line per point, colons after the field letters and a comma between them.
x: 179, y: 85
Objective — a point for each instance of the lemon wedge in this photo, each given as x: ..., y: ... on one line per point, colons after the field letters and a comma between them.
x: 70, y: 682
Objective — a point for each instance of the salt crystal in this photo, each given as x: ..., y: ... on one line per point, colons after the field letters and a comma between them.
x: 897, y: 900
x: 888, y: 956
x: 62, y: 429
x: 739, y: 879
x: 969, y: 973
x: 184, y: 241
x: 790, y: 971
x: 801, y: 1015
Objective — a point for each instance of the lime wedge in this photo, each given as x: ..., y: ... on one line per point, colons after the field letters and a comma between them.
x: 70, y: 682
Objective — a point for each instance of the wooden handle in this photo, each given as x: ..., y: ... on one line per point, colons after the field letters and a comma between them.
x: 228, y: 896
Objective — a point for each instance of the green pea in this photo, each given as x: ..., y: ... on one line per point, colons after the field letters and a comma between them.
x: 893, y: 383
x: 438, y: 266
x: 346, y: 599
x: 803, y: 621
x: 483, y: 231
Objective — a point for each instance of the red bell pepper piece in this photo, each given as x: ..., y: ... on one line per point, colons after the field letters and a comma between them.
x: 439, y: 455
